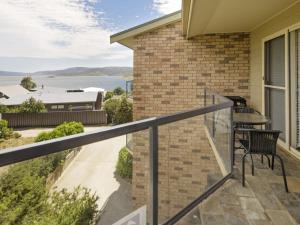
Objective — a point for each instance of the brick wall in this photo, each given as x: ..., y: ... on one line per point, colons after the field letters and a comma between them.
x: 170, y: 74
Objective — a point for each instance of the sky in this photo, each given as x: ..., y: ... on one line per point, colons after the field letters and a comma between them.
x: 40, y: 35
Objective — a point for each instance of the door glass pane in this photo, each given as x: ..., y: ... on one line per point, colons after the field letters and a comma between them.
x: 275, y: 109
x: 294, y: 88
x: 298, y: 85
x: 275, y: 62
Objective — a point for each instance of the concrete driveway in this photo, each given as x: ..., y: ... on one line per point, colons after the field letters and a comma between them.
x: 94, y: 168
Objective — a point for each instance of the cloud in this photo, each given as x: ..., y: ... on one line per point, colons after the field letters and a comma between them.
x: 55, y: 29
x: 166, y: 6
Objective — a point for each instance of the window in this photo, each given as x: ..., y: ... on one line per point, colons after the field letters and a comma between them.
x: 53, y: 106
x: 275, y: 62
x: 275, y: 84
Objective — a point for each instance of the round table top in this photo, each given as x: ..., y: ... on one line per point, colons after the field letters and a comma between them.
x: 250, y: 118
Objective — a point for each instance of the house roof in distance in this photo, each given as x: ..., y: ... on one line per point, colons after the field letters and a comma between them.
x: 93, y: 89
x: 13, y: 90
x: 46, y: 98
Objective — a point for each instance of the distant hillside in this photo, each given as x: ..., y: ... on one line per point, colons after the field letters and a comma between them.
x: 8, y: 73
x: 78, y: 71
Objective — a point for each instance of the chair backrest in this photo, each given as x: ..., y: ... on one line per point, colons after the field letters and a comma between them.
x: 263, y: 141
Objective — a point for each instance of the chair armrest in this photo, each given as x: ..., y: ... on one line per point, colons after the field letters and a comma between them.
x: 244, y: 129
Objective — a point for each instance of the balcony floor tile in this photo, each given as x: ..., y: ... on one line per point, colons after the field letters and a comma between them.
x: 263, y: 201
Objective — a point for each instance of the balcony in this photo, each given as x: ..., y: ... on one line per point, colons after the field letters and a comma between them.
x: 262, y: 201
x: 201, y: 195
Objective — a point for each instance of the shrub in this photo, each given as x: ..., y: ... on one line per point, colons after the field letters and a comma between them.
x: 17, y: 135
x: 31, y: 105
x: 65, y: 129
x: 118, y: 91
x: 25, y: 198
x: 108, y: 95
x: 124, y: 112
x: 111, y: 106
x: 5, y: 132
x: 52, y: 161
x: 3, y: 109
x: 124, y: 164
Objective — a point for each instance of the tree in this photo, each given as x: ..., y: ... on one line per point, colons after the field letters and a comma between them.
x: 108, y: 95
x: 118, y: 91
x: 28, y: 83
x: 111, y: 107
x: 31, y: 105
x: 118, y: 111
x: 124, y: 112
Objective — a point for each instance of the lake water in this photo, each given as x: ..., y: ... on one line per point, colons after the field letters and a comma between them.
x: 69, y: 82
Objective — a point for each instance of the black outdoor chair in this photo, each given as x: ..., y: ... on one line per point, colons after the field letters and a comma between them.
x: 238, y: 129
x: 262, y: 142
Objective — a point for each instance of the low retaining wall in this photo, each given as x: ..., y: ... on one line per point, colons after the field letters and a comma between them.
x: 47, y: 119
x: 53, y: 177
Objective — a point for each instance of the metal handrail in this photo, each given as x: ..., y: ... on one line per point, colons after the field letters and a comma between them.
x: 31, y: 151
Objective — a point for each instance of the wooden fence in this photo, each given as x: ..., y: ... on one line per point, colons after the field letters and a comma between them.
x: 54, y: 118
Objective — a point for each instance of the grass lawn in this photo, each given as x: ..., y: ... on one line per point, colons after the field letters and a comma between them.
x: 14, y: 142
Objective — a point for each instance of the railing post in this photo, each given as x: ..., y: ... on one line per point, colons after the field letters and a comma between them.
x: 205, y: 117
x: 153, y: 175
x: 213, y: 120
x: 232, y: 144
x: 204, y: 96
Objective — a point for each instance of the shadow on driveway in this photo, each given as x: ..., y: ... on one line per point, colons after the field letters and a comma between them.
x: 118, y: 205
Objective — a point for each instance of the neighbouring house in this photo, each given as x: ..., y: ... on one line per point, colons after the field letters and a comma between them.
x: 12, y: 90
x: 241, y: 48
x: 55, y: 99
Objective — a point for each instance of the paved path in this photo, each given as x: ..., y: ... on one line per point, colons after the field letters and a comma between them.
x: 94, y: 168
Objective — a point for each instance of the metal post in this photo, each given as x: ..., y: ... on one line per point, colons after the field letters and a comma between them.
x: 213, y: 120
x: 126, y: 88
x: 231, y: 141
x: 153, y: 175
x: 205, y: 117
x: 204, y: 96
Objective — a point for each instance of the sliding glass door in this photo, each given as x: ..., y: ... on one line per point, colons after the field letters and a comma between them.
x: 275, y: 83
x: 295, y: 88
x: 282, y: 86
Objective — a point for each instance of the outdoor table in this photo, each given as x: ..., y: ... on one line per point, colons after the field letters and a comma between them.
x: 250, y: 119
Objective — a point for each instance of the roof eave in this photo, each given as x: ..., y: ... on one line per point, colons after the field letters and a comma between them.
x: 126, y: 37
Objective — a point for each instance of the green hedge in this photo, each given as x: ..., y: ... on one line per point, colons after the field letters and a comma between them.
x: 124, y: 164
